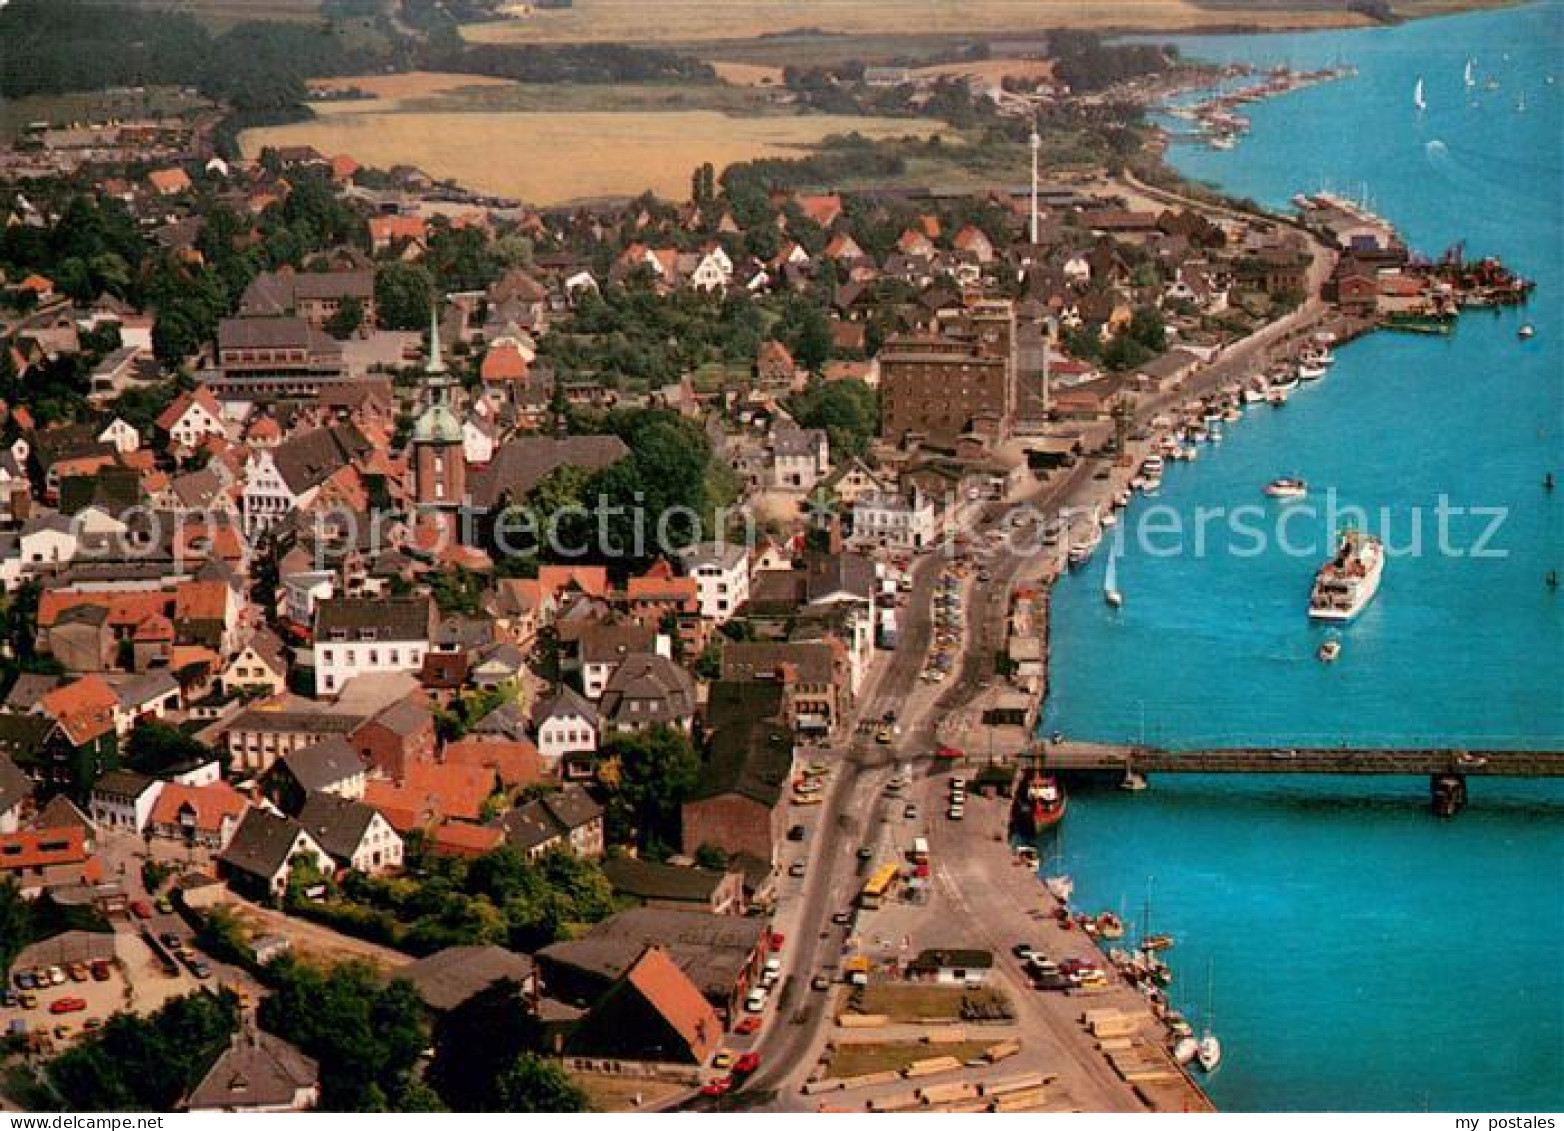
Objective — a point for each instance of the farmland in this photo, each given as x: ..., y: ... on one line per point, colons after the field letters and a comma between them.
x: 693, y: 20
x: 559, y: 157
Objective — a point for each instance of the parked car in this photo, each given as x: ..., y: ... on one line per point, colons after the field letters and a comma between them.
x: 172, y: 941
x: 141, y: 909
x: 8, y: 998
x: 24, y: 980
x: 820, y: 983
x: 29, y: 1000
x: 199, y: 968
x: 721, y: 1086
x: 796, y: 869
x: 746, y: 1064
x: 56, y: 976
x: 78, y: 971
x: 796, y: 833
x: 68, y: 1005
x: 723, y: 1059
x: 165, y: 905
x: 101, y: 971
x: 747, y: 1027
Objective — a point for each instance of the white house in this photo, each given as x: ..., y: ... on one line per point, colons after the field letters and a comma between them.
x: 357, y: 636
x: 301, y: 592
x: 895, y: 521
x: 800, y: 457
x: 265, y: 849
x: 721, y: 573
x: 123, y: 436
x: 47, y: 540
x: 714, y: 271
x: 122, y: 801
x: 192, y: 418
x: 355, y: 834
x: 564, y: 723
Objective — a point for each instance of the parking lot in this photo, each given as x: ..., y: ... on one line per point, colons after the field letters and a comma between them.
x: 69, y: 985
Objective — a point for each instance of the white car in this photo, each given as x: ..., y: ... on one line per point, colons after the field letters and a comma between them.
x: 756, y: 1001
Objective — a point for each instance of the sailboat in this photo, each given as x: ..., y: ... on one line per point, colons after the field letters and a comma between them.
x: 1417, y: 96
x: 1469, y: 78
x: 1209, y: 1053
x: 1520, y: 103
x: 1110, y: 583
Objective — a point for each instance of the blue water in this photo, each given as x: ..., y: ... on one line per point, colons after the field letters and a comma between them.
x: 1366, y: 955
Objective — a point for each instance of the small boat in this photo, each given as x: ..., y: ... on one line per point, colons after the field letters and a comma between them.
x: 1527, y: 330
x: 1308, y: 372
x: 1177, y: 1025
x: 1277, y: 397
x: 1253, y: 394
x: 1060, y: 887
x: 1110, y: 926
x: 1027, y: 855
x: 1110, y: 582
x: 1418, y: 100
x: 1233, y: 415
x: 1152, y: 943
x: 1209, y: 1053
x: 1186, y: 1050
x: 1329, y: 651
x: 1287, y: 488
x: 1133, y: 782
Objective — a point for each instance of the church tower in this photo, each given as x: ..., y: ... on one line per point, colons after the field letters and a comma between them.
x: 439, y: 465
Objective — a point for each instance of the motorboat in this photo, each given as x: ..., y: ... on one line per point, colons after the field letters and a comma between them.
x: 1527, y: 330
x: 1329, y: 651
x: 1287, y: 488
x: 1186, y: 1049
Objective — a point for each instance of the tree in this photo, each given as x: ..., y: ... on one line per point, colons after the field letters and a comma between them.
x: 147, y: 1063
x: 365, y: 1034
x: 404, y: 295
x: 155, y: 747
x: 478, y: 1043
x: 536, y: 1085
x: 657, y: 771
x: 348, y: 319
x: 849, y: 411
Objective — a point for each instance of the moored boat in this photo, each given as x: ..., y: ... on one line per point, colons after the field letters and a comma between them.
x: 1527, y: 330
x: 1039, y: 803
x: 1186, y: 1049
x: 1329, y: 651
x: 1209, y: 1053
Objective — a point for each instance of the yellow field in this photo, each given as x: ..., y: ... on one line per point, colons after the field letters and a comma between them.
x: 392, y: 90
x: 693, y: 20
x: 748, y: 74
x: 557, y: 158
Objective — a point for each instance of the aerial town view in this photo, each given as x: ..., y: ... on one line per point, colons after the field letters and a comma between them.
x: 781, y: 556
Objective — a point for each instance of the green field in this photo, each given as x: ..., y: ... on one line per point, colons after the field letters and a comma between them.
x: 69, y: 109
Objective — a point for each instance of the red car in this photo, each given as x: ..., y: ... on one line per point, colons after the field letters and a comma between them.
x: 746, y: 1064
x: 140, y: 909
x: 721, y: 1086
x: 747, y: 1026
x: 777, y: 939
x: 68, y: 1005
x: 948, y: 752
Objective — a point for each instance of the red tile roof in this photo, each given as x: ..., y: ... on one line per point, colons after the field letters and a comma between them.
x: 669, y: 991
x: 85, y: 709
x: 43, y: 848
x: 210, y: 804
x: 513, y: 762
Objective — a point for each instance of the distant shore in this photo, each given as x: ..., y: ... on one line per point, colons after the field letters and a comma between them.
x: 688, y: 24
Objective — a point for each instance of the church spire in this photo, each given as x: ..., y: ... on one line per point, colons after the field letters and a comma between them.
x: 436, y: 364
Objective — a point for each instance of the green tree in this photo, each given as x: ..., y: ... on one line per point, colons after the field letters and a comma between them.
x: 147, y: 1063
x: 657, y: 772
x: 849, y: 411
x: 155, y: 747
x: 366, y: 1035
x: 477, y: 1043
x: 533, y: 1084
x: 348, y: 319
x: 404, y: 295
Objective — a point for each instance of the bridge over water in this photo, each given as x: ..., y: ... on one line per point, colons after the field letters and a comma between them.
x: 1446, y: 769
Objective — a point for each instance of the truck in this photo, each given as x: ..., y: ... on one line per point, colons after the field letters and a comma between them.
x: 887, y: 630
